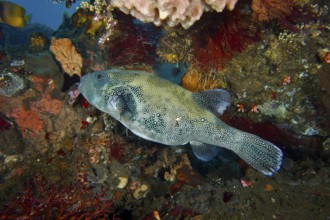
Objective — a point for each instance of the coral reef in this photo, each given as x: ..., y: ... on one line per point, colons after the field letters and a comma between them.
x: 66, y: 54
x: 281, y: 87
x: 61, y: 158
x: 172, y: 13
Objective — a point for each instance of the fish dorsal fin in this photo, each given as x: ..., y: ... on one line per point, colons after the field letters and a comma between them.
x: 204, y: 152
x: 216, y: 100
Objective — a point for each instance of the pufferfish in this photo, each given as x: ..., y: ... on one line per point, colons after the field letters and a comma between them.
x: 158, y: 110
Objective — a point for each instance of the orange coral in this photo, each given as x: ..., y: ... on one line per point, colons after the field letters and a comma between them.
x: 49, y: 105
x: 33, y: 119
x: 27, y: 120
x: 46, y: 103
x: 267, y: 10
x: 66, y: 54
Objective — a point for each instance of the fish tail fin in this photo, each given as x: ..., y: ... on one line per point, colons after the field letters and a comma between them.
x: 259, y: 153
x: 27, y: 18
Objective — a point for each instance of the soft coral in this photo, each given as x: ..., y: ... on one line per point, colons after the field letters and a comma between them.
x: 133, y: 45
x: 224, y: 35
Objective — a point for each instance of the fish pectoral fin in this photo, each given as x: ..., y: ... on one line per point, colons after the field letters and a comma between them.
x: 123, y: 103
x: 216, y: 100
x: 118, y: 104
x: 204, y: 152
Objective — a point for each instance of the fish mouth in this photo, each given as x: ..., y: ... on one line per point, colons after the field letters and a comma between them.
x: 80, y: 84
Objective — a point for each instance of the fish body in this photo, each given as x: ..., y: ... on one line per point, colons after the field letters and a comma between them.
x: 13, y: 14
x: 161, y: 111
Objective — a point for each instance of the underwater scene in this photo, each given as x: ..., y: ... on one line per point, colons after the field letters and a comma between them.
x: 165, y: 109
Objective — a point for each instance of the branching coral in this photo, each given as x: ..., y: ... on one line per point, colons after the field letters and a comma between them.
x: 171, y: 12
x: 65, y: 53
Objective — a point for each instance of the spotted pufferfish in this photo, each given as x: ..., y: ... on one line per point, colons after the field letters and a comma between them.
x: 158, y: 110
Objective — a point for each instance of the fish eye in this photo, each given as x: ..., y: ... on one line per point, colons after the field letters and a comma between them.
x: 99, y: 76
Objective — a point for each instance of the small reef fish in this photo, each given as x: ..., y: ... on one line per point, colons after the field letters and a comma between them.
x: 13, y: 14
x: 161, y: 111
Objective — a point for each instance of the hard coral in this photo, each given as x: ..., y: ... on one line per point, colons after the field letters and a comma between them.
x: 267, y: 10
x: 171, y: 12
x: 66, y: 54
